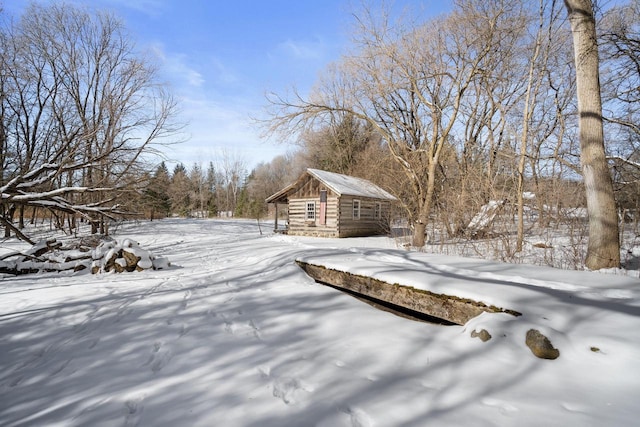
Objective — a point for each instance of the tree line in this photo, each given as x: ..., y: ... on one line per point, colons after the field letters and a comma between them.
x: 218, y: 190
x: 483, y: 104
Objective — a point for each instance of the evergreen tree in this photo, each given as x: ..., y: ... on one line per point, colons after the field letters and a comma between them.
x: 179, y: 191
x: 157, y: 199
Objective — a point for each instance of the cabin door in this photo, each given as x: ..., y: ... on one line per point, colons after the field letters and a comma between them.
x: 323, y: 207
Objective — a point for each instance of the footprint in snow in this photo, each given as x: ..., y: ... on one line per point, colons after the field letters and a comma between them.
x: 359, y: 418
x: 159, y: 358
x: 288, y: 389
x: 183, y: 330
x: 242, y: 329
x: 504, y: 408
x: 347, y: 417
x: 133, y: 411
x: 185, y: 300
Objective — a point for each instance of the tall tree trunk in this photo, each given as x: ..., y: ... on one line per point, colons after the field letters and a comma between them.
x: 604, y: 247
x: 4, y: 211
x: 21, y: 217
x: 529, y: 105
x: 419, y: 234
x: 8, y: 215
x: 425, y: 203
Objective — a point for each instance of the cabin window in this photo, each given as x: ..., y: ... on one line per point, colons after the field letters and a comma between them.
x: 311, y: 211
x: 356, y: 209
x: 377, y: 210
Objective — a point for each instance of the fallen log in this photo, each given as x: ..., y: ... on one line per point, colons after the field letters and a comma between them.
x: 446, y: 307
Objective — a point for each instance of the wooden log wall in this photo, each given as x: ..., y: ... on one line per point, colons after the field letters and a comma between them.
x: 298, y: 225
x: 367, y: 224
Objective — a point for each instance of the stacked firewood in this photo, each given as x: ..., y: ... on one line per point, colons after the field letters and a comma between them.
x: 96, y: 254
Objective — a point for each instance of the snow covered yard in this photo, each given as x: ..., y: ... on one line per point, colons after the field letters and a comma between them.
x: 235, y: 334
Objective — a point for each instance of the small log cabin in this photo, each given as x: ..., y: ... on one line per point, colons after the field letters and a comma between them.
x: 328, y: 204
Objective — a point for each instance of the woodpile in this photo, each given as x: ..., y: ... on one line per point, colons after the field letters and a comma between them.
x: 97, y: 254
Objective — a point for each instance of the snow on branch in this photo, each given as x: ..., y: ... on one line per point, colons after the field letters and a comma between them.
x: 41, y: 175
x: 36, y: 188
x: 626, y: 161
x: 22, y: 198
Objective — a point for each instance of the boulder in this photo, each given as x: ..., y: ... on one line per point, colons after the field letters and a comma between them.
x: 484, y: 335
x: 131, y: 260
x: 540, y: 345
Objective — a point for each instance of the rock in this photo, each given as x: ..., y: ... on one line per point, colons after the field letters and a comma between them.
x: 110, y: 260
x: 120, y: 265
x: 484, y: 335
x: 131, y: 260
x: 540, y: 345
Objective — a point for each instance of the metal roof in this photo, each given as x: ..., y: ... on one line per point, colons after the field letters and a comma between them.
x: 342, y: 185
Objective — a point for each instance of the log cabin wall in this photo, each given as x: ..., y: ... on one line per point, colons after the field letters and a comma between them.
x: 369, y: 221
x: 299, y: 225
x: 309, y: 191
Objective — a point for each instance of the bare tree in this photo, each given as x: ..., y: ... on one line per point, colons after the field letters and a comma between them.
x: 266, y: 179
x: 544, y: 102
x: 620, y: 68
x: 86, y: 108
x: 603, y: 248
x: 408, y: 83
x: 337, y: 146
x: 233, y: 171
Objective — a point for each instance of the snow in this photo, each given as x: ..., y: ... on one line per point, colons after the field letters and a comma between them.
x: 234, y: 333
x: 486, y: 215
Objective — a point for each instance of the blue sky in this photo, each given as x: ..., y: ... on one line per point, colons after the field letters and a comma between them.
x: 221, y: 57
